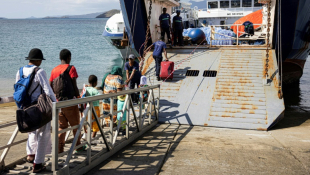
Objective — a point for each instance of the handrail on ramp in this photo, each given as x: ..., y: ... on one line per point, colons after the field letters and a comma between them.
x: 111, y: 138
x: 135, y: 126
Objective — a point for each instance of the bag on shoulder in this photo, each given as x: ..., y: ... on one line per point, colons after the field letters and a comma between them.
x: 35, y: 116
x: 21, y: 96
x: 63, y: 86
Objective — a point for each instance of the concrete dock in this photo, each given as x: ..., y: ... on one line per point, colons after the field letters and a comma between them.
x: 184, y: 149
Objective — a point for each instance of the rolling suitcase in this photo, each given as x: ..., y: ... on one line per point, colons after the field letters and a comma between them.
x: 166, y: 69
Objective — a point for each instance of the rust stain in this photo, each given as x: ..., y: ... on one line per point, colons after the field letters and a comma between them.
x: 243, y: 107
x: 252, y: 112
x: 254, y: 107
x: 206, y: 124
x: 147, y: 64
x: 261, y: 100
x: 262, y: 129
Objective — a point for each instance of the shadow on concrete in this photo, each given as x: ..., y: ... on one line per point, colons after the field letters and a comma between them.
x: 294, y: 114
x: 292, y: 118
x: 166, y: 116
x: 144, y: 156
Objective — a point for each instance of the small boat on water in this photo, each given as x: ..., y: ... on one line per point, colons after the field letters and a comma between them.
x: 114, y: 31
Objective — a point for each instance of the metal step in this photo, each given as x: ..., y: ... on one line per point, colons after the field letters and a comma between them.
x: 238, y: 115
x: 238, y: 102
x: 238, y: 120
x: 244, y: 111
x: 227, y: 124
x: 238, y: 98
x: 243, y: 94
x: 226, y: 74
x: 239, y: 84
x: 225, y: 86
x: 240, y: 80
x: 235, y: 90
x: 237, y: 106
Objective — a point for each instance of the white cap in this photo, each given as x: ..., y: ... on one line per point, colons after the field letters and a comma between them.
x: 143, y: 80
x: 131, y: 56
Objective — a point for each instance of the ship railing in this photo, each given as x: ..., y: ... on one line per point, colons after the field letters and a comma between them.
x: 240, y: 38
x: 232, y: 9
x: 134, y: 126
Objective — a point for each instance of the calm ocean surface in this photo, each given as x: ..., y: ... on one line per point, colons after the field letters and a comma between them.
x: 91, y: 53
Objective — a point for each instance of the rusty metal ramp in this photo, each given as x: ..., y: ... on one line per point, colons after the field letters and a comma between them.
x: 219, y: 87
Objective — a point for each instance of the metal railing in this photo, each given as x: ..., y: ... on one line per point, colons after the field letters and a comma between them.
x: 109, y: 137
x: 147, y: 118
x: 258, y: 36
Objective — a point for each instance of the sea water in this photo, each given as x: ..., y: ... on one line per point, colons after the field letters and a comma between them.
x: 91, y: 53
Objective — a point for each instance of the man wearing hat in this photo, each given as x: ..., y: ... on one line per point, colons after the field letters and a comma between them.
x: 165, y: 24
x: 39, y: 141
x: 133, y: 74
x: 178, y: 29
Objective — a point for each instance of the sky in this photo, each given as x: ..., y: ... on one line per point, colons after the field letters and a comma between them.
x: 43, y: 8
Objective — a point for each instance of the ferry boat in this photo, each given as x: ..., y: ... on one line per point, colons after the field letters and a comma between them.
x: 226, y: 12
x: 114, y: 32
x: 246, y: 89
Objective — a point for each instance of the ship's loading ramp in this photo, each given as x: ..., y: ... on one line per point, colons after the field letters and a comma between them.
x: 219, y: 87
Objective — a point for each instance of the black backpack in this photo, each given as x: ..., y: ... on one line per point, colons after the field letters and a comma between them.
x: 63, y: 86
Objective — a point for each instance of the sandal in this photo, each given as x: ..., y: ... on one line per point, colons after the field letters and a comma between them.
x: 38, y: 168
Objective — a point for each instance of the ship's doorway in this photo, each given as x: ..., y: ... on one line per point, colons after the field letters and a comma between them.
x: 222, y: 23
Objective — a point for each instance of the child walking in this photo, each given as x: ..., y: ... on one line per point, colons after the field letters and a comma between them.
x: 91, y: 90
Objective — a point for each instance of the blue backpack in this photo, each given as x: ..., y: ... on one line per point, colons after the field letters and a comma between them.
x: 21, y: 96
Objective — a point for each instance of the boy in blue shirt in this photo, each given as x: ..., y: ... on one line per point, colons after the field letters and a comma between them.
x: 165, y: 24
x: 178, y: 29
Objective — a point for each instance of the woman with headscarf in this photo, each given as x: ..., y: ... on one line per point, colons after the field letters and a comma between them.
x: 111, y: 83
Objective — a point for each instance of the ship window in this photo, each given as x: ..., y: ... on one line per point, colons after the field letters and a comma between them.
x: 212, y: 5
x: 209, y: 73
x: 256, y: 4
x: 192, y: 73
x: 224, y: 4
x: 246, y: 3
x: 235, y: 3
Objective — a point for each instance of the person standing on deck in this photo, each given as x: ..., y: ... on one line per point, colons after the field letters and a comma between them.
x: 39, y: 141
x: 165, y: 24
x: 68, y: 114
x: 178, y: 29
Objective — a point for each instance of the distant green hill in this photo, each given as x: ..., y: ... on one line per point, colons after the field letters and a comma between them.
x: 108, y: 14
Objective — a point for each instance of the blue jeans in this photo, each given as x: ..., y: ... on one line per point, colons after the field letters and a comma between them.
x: 158, y: 60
